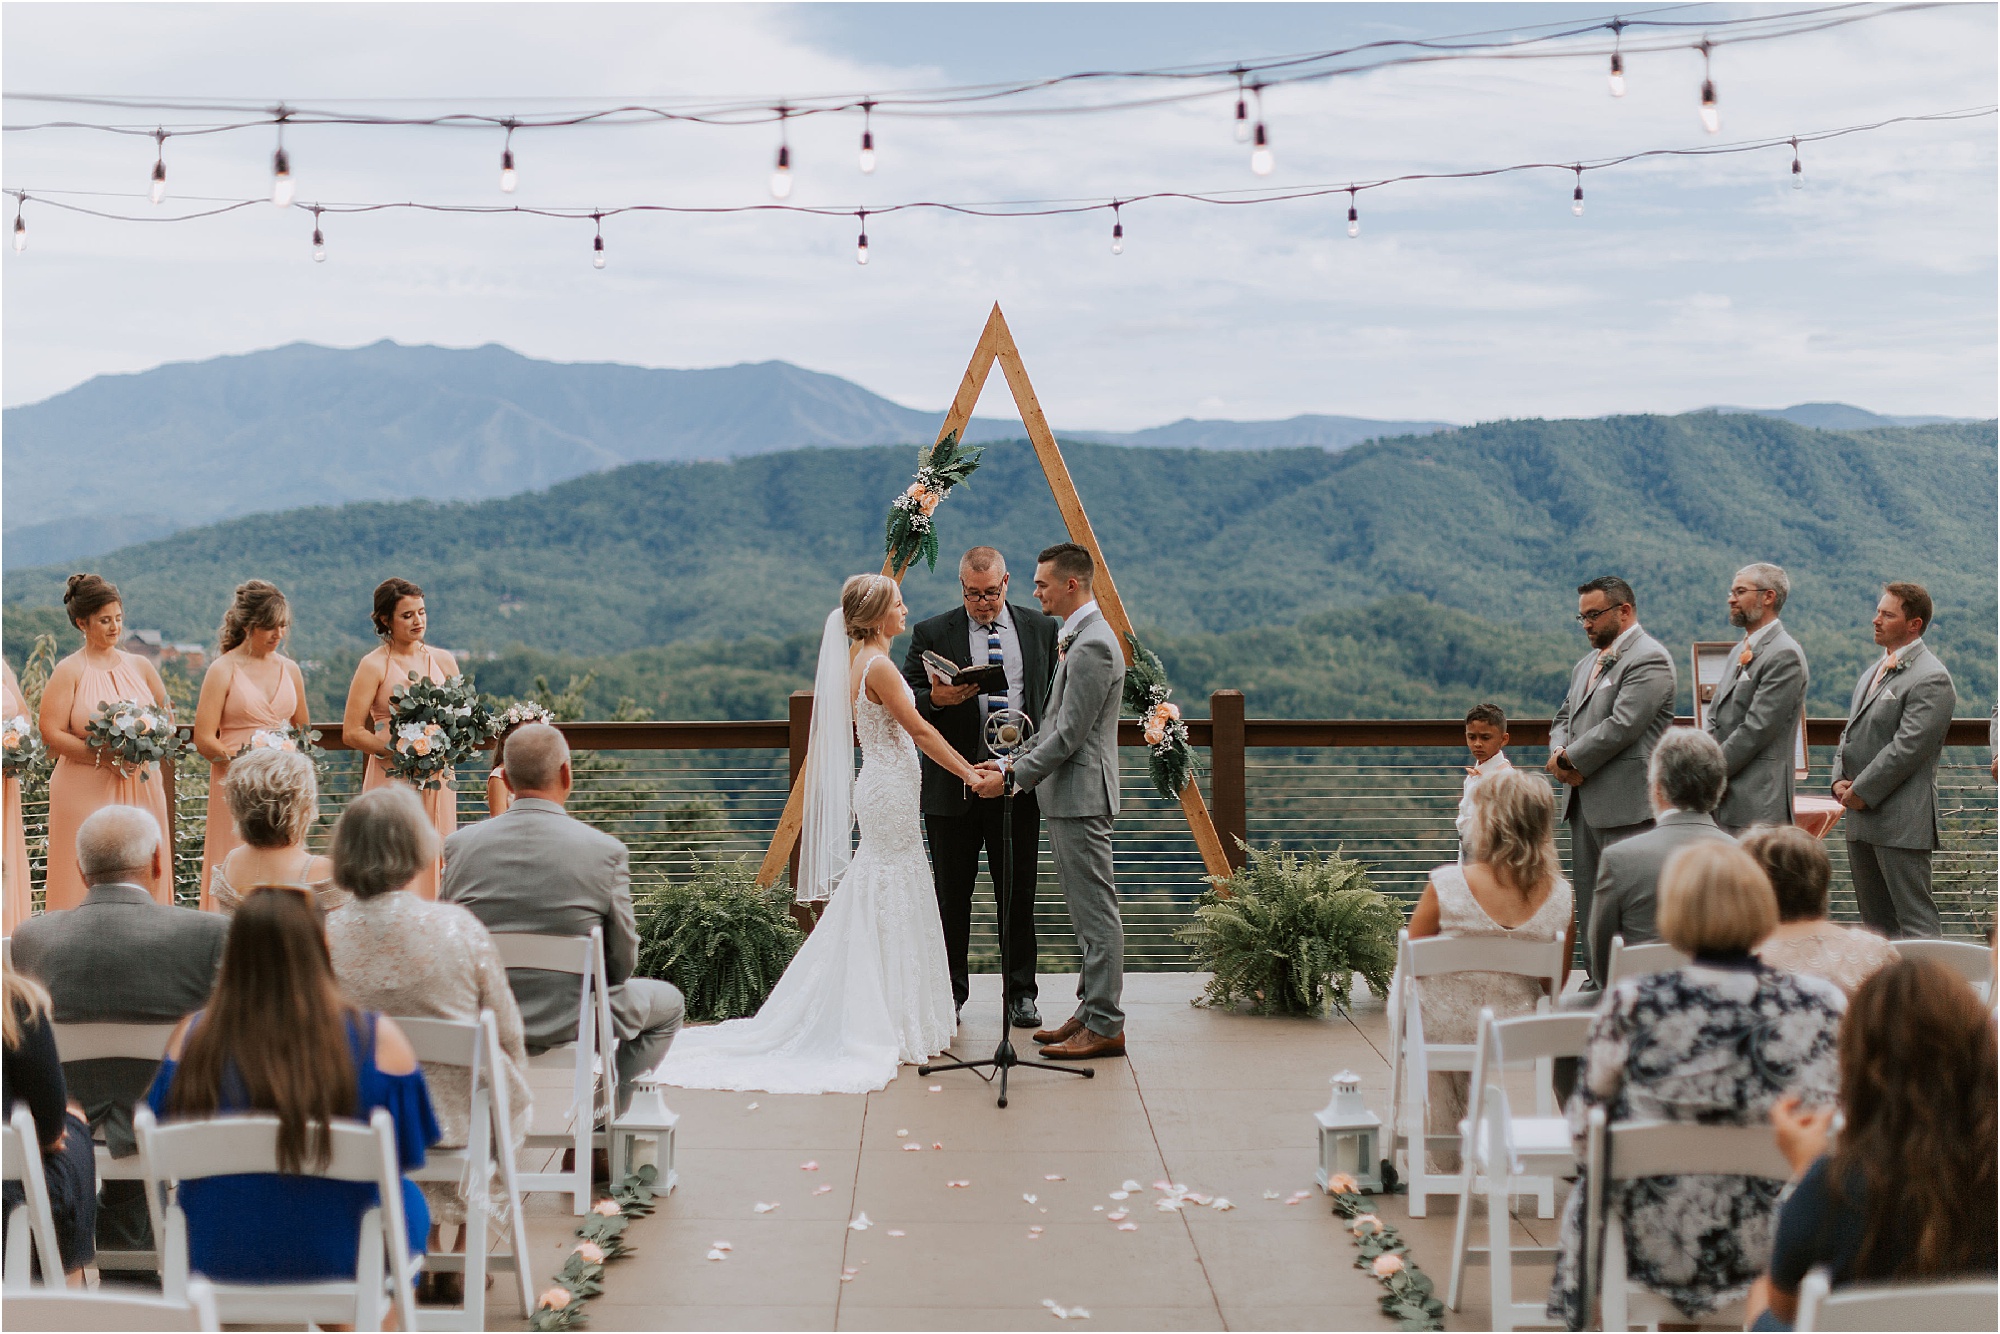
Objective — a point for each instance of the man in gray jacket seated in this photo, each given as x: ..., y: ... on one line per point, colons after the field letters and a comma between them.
x: 534, y: 870
x: 120, y: 957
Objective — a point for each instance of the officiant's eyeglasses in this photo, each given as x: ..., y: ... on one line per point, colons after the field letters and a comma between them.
x: 981, y: 594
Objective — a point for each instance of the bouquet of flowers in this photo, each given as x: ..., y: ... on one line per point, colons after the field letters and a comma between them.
x: 1169, y: 758
x: 432, y: 727
x: 304, y: 740
x: 21, y: 744
x: 912, y: 532
x: 133, y: 735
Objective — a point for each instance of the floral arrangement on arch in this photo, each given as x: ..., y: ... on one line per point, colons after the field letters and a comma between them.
x: 581, y: 1276
x: 132, y: 736
x: 1170, y: 760
x: 301, y: 740
x: 912, y: 532
x: 432, y: 727
x: 21, y: 745
x: 1410, y: 1297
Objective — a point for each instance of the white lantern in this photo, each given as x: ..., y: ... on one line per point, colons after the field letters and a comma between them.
x: 643, y: 1135
x: 1349, y: 1136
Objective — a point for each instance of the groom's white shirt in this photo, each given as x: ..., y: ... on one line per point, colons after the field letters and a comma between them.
x: 1075, y: 618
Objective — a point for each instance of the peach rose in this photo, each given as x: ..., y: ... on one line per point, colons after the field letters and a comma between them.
x: 422, y: 745
x: 930, y: 502
x: 1171, y: 709
x: 554, y: 1299
x: 591, y: 1251
x: 1340, y: 1183
x: 609, y: 1208
x: 1364, y: 1224
x: 1388, y: 1263
x: 1155, y: 734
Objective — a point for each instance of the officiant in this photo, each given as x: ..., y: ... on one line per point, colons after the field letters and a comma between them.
x: 986, y: 630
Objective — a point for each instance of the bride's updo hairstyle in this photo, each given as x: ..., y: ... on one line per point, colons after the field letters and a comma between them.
x: 864, y: 600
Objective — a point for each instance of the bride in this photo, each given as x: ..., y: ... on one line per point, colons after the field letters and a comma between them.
x: 870, y: 988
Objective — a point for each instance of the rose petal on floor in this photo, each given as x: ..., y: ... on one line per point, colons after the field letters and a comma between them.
x: 1130, y: 1185
x: 956, y: 1185
x: 1029, y: 1198
x: 897, y: 1232
x: 822, y: 1190
x: 1054, y: 1176
x: 1121, y: 1194
x: 763, y: 1208
x: 1118, y: 1215
x: 1220, y: 1202
x: 860, y: 1222
x: 724, y: 1246
x: 717, y: 1255
x: 936, y: 1088
x: 1128, y: 1227
x: 1270, y: 1194
x: 902, y: 1134
x: 936, y: 1145
x: 751, y: 1108
x: 913, y: 1148
x: 809, y: 1167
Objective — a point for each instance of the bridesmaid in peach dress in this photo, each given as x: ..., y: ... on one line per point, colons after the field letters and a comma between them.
x: 14, y: 887
x: 400, y: 619
x: 97, y: 672
x: 250, y: 687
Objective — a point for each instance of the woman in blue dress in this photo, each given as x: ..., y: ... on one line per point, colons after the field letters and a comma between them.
x: 278, y: 1037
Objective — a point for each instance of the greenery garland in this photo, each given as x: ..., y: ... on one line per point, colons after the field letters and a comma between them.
x: 1170, y: 760
x: 912, y: 532
x: 603, y: 1231
x: 1411, y: 1298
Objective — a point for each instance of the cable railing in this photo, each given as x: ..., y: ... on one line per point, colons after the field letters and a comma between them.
x: 684, y: 795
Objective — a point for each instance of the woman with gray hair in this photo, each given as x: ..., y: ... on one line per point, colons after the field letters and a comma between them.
x: 273, y: 800
x: 412, y: 957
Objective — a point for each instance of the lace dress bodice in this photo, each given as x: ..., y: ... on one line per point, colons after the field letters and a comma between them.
x: 887, y: 792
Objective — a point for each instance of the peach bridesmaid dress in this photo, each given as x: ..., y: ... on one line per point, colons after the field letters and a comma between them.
x: 245, y: 709
x: 76, y: 789
x: 14, y: 886
x: 441, y: 805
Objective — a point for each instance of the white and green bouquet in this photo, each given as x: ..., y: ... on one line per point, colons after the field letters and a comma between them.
x: 433, y: 726
x: 912, y: 530
x: 303, y: 740
x: 133, y: 735
x: 21, y: 744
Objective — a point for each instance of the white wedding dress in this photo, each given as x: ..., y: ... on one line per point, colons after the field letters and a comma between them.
x: 870, y: 989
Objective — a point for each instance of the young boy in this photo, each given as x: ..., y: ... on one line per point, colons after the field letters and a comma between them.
x: 1486, y: 738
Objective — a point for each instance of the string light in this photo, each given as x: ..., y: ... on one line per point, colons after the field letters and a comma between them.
x: 1711, y: 114
x: 158, y: 193
x: 509, y: 178
x: 781, y: 178
x: 1242, y: 111
x: 867, y: 139
x: 861, y: 247
x: 281, y: 168
x: 1353, y: 216
x: 1260, y: 156
x: 1576, y: 200
x: 20, y: 224
x: 597, y: 246
x: 1117, y: 231
x: 1798, y: 168
x: 1617, y: 27
x: 319, y: 238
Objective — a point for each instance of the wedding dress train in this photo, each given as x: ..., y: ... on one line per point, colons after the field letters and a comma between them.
x: 870, y: 989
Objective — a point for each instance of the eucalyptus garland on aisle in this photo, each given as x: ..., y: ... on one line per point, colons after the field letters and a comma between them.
x: 1409, y: 1297
x: 581, y: 1276
x: 1170, y: 760
x: 912, y: 531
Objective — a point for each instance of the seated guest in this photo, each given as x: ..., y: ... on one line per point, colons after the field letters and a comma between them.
x: 1511, y: 888
x: 1486, y: 740
x: 1685, y: 779
x: 1717, y: 1042
x: 121, y: 957
x: 274, y: 799
x: 278, y: 1037
x: 536, y: 870
x: 403, y: 955
x: 1804, y: 941
x: 30, y: 1073
x: 1908, y: 1193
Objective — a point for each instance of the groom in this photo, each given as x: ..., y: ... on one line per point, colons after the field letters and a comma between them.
x: 1072, y: 765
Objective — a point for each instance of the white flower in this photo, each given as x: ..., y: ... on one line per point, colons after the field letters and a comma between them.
x: 409, y: 731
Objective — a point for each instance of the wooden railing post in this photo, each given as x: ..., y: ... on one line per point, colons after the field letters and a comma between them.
x: 798, y: 735
x: 1226, y: 781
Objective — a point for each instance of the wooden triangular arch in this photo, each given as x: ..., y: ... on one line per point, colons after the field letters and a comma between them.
x: 996, y: 343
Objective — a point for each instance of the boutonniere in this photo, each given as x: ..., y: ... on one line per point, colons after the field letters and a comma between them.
x: 1605, y: 660
x: 1743, y: 658
x: 1896, y: 664
x: 1062, y: 645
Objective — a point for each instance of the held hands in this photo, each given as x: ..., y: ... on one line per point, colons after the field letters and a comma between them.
x: 1563, y: 770
x: 986, y: 780
x: 1843, y: 792
x: 1802, y: 1133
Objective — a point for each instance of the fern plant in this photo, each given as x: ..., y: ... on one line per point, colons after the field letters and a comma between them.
x: 721, y: 938
x: 1288, y: 933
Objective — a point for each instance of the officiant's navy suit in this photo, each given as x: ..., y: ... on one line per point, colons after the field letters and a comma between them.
x: 959, y: 824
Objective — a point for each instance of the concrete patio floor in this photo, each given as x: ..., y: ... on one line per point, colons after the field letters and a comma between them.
x: 1221, y: 1103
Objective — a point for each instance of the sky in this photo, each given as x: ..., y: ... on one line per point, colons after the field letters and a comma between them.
x: 1687, y: 282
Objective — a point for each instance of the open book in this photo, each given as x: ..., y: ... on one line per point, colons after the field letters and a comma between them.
x: 990, y: 677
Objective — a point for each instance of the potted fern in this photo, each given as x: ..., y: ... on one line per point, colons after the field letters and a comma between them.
x: 1287, y: 933
x: 722, y: 938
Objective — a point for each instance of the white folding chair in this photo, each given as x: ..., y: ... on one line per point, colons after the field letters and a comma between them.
x: 1632, y: 1150
x: 1630, y: 961
x: 102, y: 1042
x: 113, y: 1314
x: 1510, y: 1155
x: 1954, y: 1305
x: 34, y: 1219
x: 591, y: 1059
x: 1414, y: 1058
x: 1972, y: 962
x: 474, y: 1048
x: 384, y: 1276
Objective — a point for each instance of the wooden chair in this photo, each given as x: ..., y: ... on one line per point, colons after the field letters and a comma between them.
x: 130, y: 1042
x: 113, y: 1313
x: 1957, y: 1305
x: 590, y: 1060
x: 33, y: 1224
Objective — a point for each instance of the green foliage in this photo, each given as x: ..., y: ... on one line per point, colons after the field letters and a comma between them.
x: 1409, y: 1297
x: 1170, y: 760
x: 1288, y: 933
x: 721, y: 938
x: 912, y: 526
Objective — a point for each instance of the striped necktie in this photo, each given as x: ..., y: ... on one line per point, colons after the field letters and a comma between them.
x: 994, y: 658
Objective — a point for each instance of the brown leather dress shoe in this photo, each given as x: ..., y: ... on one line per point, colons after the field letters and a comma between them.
x: 1070, y: 1028
x: 1086, y: 1045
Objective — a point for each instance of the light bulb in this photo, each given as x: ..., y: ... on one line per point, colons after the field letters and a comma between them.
x: 861, y: 250
x: 509, y: 178
x: 1711, y: 115
x: 1242, y: 121
x: 597, y: 253
x: 1117, y: 238
x: 867, y: 152
x: 1798, y: 174
x: 1617, y: 75
x: 159, y: 191
x: 781, y: 179
x: 1576, y: 203
x: 281, y: 179
x: 1260, y: 156
x: 20, y: 234
x: 319, y: 246
x: 1353, y: 221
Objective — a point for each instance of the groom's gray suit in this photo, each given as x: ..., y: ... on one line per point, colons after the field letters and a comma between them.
x: 1072, y: 766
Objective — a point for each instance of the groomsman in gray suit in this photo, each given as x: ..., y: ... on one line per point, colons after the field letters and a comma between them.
x: 1754, y: 715
x: 1072, y: 766
x: 1885, y: 768
x: 1620, y: 701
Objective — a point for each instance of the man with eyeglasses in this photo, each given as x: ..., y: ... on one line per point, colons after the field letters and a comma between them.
x: 986, y: 628
x: 1620, y: 702
x: 1754, y: 714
